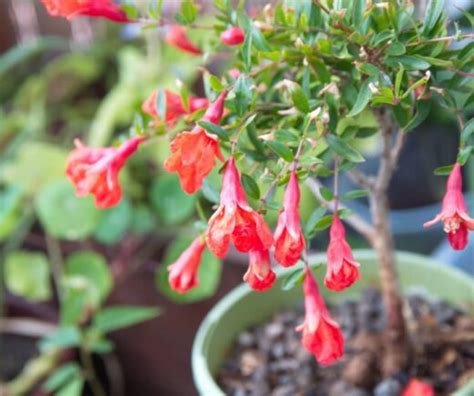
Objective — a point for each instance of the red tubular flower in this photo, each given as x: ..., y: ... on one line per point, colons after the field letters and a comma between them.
x: 93, y: 8
x: 233, y: 36
x: 183, y: 273
x: 193, y: 153
x: 454, y: 212
x: 289, y: 239
x: 418, y: 388
x: 96, y: 170
x: 174, y: 106
x: 342, y: 269
x: 259, y: 275
x: 235, y: 220
x: 321, y: 334
x: 177, y: 37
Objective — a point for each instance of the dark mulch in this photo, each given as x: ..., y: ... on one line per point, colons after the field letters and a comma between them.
x: 269, y: 359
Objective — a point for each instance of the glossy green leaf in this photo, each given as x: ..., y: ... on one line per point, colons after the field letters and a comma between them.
x: 363, y: 98
x: 443, y: 170
x: 468, y: 131
x: 250, y: 186
x: 354, y: 194
x: 27, y: 275
x: 280, y: 149
x: 65, y: 216
x: 61, y: 376
x: 293, y: 279
x: 344, y: 149
x: 214, y: 129
x: 171, y: 204
x: 117, y: 317
x: 64, y: 337
x: 313, y: 219
x: 432, y: 14
x: 88, y: 272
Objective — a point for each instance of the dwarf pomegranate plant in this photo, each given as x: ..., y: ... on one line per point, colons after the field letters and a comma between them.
x: 306, y: 85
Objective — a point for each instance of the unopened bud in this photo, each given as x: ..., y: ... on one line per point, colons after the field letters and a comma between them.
x: 373, y: 88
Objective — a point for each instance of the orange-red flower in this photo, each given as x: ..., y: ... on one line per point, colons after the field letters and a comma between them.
x: 289, y: 239
x: 259, y: 274
x: 183, y: 273
x: 454, y: 212
x: 418, y: 388
x: 93, y: 8
x: 193, y: 153
x: 96, y: 170
x: 235, y: 221
x: 233, y: 36
x: 174, y: 106
x: 177, y: 37
x: 321, y: 334
x: 342, y: 269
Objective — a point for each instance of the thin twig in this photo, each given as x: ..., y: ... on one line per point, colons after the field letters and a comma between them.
x: 357, y: 222
x: 361, y: 179
x: 86, y: 359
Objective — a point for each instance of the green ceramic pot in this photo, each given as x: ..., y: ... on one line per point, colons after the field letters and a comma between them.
x: 242, y: 307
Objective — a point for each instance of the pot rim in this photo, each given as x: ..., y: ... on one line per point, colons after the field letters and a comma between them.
x: 202, y: 376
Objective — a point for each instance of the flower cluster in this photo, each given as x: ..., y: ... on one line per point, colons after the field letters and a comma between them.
x: 234, y: 222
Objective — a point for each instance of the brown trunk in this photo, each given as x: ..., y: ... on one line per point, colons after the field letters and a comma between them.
x: 396, y: 355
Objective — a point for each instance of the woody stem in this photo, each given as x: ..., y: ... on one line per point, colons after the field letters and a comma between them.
x: 396, y: 343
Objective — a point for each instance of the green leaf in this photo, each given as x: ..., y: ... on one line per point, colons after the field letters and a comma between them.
x: 323, y: 223
x: 188, y: 11
x: 299, y: 99
x: 214, y: 129
x: 258, y: 39
x: 464, y: 154
x: 423, y: 108
x: 363, y: 98
x: 64, y: 215
x: 36, y: 165
x: 468, y: 131
x: 170, y: 202
x: 293, y: 279
x: 209, y: 274
x: 72, y: 388
x: 88, y: 272
x: 326, y: 193
x: 281, y: 150
x: 395, y: 49
x: 130, y: 10
x: 408, y: 62
x: 250, y: 186
x: 354, y: 194
x: 61, y: 376
x: 398, y: 80
x: 443, y: 170
x: 114, y: 223
x: 215, y: 83
x: 27, y: 275
x: 155, y: 8
x: 64, y: 337
x: 210, y: 191
x: 10, y: 200
x: 313, y: 219
x: 358, y: 8
x: 432, y: 13
x: 243, y: 94
x: 117, y: 317
x: 247, y: 51
x: 343, y: 149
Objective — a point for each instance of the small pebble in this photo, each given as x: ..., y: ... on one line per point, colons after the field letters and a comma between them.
x: 388, y: 387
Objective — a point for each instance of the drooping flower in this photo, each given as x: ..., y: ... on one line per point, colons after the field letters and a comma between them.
x: 183, y: 273
x: 235, y: 221
x: 289, y: 239
x: 174, y: 106
x: 259, y: 274
x: 454, y: 212
x: 193, y: 153
x: 233, y: 36
x: 96, y: 170
x: 93, y: 8
x: 342, y: 269
x: 321, y: 334
x: 177, y: 37
x: 418, y: 388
